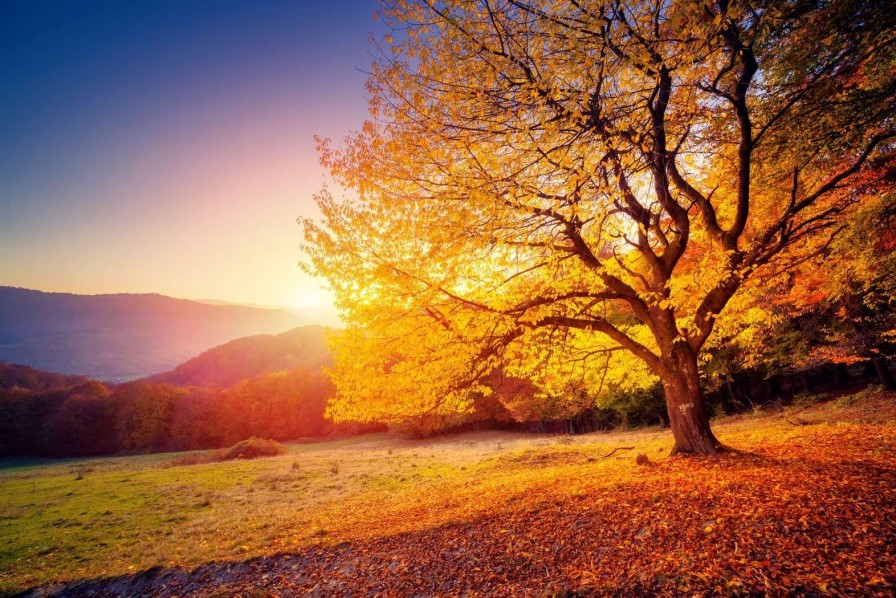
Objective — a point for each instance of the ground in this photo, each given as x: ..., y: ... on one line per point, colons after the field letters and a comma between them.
x: 805, y: 504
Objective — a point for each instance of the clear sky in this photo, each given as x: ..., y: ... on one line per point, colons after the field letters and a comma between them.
x: 167, y: 145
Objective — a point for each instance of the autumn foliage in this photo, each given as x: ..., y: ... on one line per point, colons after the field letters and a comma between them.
x: 597, y: 197
x: 92, y: 418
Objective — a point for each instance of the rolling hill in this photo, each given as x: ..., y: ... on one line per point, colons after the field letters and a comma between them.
x: 251, y: 357
x: 124, y: 336
x: 22, y: 377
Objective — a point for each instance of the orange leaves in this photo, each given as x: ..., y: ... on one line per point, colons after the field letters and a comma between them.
x: 583, y: 172
x: 807, y: 510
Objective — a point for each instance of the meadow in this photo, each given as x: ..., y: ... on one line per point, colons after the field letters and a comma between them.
x: 805, y: 501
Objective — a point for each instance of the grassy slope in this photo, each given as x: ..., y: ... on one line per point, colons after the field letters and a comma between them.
x: 810, y: 503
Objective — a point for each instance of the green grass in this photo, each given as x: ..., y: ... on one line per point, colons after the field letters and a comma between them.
x: 81, y: 518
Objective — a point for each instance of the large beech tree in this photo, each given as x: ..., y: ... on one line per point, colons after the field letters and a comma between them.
x: 562, y: 189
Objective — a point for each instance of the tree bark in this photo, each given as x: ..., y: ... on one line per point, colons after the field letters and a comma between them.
x: 842, y: 374
x: 883, y: 373
x: 684, y: 399
x: 774, y: 388
x: 731, y: 392
x: 804, y: 380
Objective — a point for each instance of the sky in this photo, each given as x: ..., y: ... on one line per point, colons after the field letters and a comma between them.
x: 168, y: 145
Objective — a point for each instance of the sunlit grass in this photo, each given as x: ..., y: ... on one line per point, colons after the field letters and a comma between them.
x: 75, y: 519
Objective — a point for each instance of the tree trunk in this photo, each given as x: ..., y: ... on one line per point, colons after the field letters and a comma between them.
x: 684, y: 400
x: 842, y: 372
x: 883, y: 373
x: 731, y: 392
x: 807, y: 386
x: 774, y: 388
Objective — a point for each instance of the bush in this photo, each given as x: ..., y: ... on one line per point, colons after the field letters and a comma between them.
x: 849, y: 400
x: 807, y: 399
x: 640, y: 407
x: 251, y: 448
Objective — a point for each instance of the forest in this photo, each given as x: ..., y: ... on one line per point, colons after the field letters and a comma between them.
x: 804, y: 357
x: 92, y: 418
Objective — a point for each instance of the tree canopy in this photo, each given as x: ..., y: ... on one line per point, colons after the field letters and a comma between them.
x: 572, y: 192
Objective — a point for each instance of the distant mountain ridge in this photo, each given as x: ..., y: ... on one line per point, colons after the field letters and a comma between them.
x: 251, y: 357
x: 123, y: 336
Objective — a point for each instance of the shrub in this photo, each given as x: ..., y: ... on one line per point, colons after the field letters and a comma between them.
x: 251, y: 448
x: 718, y: 411
x: 849, y: 400
x: 807, y: 400
x: 638, y: 407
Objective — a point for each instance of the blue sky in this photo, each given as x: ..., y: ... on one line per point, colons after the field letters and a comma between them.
x: 168, y: 146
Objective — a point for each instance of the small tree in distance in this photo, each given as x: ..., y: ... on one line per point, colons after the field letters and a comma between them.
x: 568, y: 190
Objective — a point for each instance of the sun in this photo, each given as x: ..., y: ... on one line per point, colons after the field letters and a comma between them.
x: 310, y: 296
x: 308, y: 299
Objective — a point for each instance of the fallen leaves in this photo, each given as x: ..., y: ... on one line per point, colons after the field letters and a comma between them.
x: 806, y: 511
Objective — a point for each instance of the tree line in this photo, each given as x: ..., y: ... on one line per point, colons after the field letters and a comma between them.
x: 92, y: 418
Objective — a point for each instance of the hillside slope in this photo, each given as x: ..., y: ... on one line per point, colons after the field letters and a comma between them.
x: 22, y: 377
x: 251, y: 357
x: 120, y: 337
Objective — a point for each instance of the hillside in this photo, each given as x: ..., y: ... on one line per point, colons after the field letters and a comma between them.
x: 121, y: 337
x: 803, y: 507
x: 22, y: 377
x: 251, y: 357
x: 49, y: 415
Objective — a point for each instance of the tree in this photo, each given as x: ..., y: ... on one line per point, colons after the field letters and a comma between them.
x: 83, y: 424
x: 554, y: 187
x: 143, y: 414
x: 842, y: 311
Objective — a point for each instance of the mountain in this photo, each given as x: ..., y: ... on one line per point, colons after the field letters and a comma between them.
x: 325, y: 315
x: 121, y: 337
x: 250, y: 357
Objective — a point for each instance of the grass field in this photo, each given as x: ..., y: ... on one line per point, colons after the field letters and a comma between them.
x: 83, y: 519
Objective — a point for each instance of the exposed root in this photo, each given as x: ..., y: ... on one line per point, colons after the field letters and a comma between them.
x: 719, y: 449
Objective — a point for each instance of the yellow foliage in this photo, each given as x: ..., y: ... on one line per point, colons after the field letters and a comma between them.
x: 544, y: 186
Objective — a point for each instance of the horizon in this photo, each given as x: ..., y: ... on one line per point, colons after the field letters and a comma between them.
x: 320, y: 314
x: 169, y: 148
x: 205, y: 300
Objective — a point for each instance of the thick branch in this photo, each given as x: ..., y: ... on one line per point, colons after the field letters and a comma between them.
x: 603, y: 326
x: 745, y: 145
